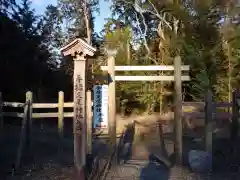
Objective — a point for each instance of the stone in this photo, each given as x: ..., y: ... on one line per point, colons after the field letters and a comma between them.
x: 200, y: 161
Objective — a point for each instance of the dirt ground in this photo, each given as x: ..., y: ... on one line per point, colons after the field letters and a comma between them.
x: 44, y: 162
x: 43, y: 156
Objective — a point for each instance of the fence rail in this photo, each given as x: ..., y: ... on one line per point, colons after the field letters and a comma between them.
x: 37, y: 105
x: 190, y: 109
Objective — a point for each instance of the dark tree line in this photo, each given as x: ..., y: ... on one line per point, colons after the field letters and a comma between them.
x: 27, y: 60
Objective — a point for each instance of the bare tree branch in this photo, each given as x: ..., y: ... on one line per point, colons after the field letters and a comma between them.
x: 143, y: 35
x: 161, y: 24
x: 157, y: 14
x: 141, y: 11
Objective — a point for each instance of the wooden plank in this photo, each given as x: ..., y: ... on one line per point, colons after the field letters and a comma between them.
x: 60, y: 118
x: 201, y: 115
x: 145, y: 68
x: 50, y: 115
x: 13, y: 114
x: 38, y: 105
x: 222, y: 104
x: 149, y: 78
x: 193, y: 106
x: 68, y: 104
x: 51, y: 105
x: 69, y: 114
x: 222, y: 115
x: 199, y: 104
x: 45, y: 105
x: 13, y: 104
x: 36, y: 115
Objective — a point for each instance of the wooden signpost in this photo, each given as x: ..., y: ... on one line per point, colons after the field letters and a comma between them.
x: 79, y: 49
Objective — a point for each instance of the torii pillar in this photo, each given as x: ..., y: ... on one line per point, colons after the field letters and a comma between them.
x: 79, y: 49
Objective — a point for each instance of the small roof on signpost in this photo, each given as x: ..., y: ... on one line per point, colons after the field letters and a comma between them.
x: 78, y: 46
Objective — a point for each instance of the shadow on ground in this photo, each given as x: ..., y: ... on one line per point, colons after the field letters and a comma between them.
x: 154, y: 171
x: 226, y: 160
x: 45, y: 160
x: 42, y: 159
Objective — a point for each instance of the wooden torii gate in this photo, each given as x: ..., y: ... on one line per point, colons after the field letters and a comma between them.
x: 80, y: 51
x: 177, y: 78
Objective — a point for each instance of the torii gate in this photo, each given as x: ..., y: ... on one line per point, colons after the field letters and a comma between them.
x: 177, y: 78
x: 79, y: 49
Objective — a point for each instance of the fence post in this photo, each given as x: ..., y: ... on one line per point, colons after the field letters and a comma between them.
x: 111, y: 100
x: 208, y: 121
x: 89, y: 121
x: 178, y: 110
x: 60, y: 117
x: 24, y: 136
x: 29, y: 100
x: 1, y: 113
x: 235, y: 116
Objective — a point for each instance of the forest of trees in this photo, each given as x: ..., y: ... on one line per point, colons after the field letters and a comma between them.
x: 205, y: 33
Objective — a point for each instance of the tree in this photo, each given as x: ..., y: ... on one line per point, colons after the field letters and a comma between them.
x: 53, y: 34
x: 28, y: 68
x: 78, y: 17
x: 5, y: 5
x: 198, y: 39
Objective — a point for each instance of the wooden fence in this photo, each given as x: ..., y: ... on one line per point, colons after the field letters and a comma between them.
x: 197, y: 110
x: 60, y: 114
x: 219, y: 110
x: 211, y: 111
x: 207, y: 110
x: 28, y: 115
x: 190, y: 109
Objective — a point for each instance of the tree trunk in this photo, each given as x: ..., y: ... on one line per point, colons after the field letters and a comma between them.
x: 87, y: 17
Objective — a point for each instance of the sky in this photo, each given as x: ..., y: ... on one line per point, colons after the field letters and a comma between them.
x: 40, y: 5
